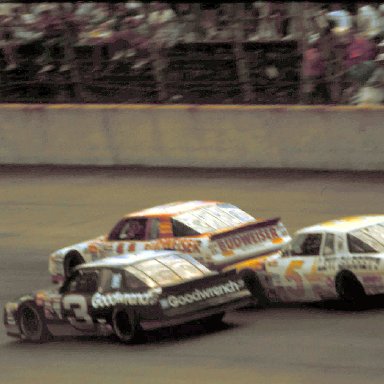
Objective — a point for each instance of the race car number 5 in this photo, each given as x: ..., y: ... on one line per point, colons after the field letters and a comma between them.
x: 292, y: 275
x: 77, y: 305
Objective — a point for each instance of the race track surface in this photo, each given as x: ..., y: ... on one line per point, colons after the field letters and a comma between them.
x: 43, y: 209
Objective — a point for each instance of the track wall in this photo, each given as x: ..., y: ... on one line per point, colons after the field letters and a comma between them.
x: 328, y: 138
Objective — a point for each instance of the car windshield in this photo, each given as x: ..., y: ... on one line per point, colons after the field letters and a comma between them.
x: 209, y: 219
x: 367, y: 240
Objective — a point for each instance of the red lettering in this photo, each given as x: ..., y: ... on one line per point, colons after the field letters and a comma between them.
x: 274, y: 233
x: 222, y: 246
x: 246, y: 239
x: 261, y: 235
x: 237, y: 242
x: 229, y: 243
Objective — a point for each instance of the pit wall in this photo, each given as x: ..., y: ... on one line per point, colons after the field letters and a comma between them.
x: 300, y: 137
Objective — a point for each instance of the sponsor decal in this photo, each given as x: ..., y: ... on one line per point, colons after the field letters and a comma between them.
x: 175, y: 301
x: 247, y: 239
x: 181, y: 245
x: 111, y: 299
x: 367, y: 263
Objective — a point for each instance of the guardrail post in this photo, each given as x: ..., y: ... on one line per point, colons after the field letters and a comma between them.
x: 241, y: 62
x: 156, y: 59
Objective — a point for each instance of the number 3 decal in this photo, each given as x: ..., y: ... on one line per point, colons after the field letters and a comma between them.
x: 81, y: 320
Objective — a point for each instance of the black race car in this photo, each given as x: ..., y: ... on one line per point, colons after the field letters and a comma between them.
x: 126, y: 295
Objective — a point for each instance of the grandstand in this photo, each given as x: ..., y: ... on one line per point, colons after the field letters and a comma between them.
x: 230, y: 53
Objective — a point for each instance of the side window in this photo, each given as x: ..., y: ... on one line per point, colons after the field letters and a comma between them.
x: 112, y: 280
x: 84, y: 282
x: 306, y: 245
x: 329, y: 244
x: 131, y: 229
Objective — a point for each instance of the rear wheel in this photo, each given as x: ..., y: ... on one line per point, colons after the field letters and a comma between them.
x: 349, y: 289
x: 125, y: 326
x: 72, y: 259
x: 32, y: 325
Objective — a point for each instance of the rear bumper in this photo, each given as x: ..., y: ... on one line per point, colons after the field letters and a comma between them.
x: 196, y: 315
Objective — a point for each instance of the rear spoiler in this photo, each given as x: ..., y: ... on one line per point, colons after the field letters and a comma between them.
x: 246, y: 227
x: 199, y: 283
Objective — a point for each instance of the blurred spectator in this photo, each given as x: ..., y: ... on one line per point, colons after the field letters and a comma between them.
x: 9, y: 44
x: 341, y: 17
x: 186, y: 20
x: 280, y: 20
x: 164, y: 23
x: 96, y: 29
x: 314, y: 71
x: 373, y: 91
x: 165, y: 31
x: 359, y: 63
x: 320, y: 19
x: 367, y: 20
x: 266, y: 27
x: 50, y: 23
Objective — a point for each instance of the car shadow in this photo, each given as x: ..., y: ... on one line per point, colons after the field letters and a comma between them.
x: 374, y: 302
x: 162, y: 336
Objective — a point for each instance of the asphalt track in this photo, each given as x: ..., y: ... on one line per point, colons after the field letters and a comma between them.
x: 43, y: 209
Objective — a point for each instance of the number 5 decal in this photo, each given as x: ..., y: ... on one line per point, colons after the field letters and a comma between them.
x: 292, y: 275
x: 77, y: 305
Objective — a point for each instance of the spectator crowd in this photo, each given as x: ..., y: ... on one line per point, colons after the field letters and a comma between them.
x: 342, y: 44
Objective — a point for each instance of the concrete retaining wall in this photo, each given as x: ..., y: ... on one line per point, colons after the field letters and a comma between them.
x: 330, y: 138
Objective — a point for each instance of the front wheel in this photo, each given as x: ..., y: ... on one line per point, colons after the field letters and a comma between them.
x: 125, y: 326
x: 32, y: 325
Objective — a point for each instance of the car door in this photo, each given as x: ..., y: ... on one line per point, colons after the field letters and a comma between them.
x: 294, y: 275
x: 76, y: 301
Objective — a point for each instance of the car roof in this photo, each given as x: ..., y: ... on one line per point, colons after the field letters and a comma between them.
x: 172, y: 209
x: 344, y: 224
x: 128, y: 259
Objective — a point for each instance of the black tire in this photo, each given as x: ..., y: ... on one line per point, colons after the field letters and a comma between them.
x: 254, y: 286
x: 72, y: 259
x: 349, y: 289
x: 125, y: 326
x: 32, y: 324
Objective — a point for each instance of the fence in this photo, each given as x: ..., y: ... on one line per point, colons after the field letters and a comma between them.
x: 200, y: 72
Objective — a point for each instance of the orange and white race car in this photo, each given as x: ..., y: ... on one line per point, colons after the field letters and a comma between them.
x: 215, y: 233
x: 338, y: 259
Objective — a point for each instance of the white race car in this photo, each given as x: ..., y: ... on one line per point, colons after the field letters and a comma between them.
x: 215, y: 233
x: 337, y: 259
